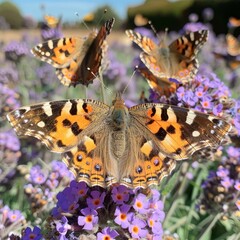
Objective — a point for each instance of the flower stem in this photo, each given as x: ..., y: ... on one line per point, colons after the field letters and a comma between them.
x: 210, y: 226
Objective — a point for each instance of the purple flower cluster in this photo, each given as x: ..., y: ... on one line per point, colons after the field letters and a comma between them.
x: 15, y: 50
x: 8, y: 74
x: 10, y: 221
x: 221, y: 191
x: 9, y: 154
x: 106, y: 214
x: 51, y: 33
x: 206, y: 93
x: 9, y: 97
x: 193, y: 27
x: 42, y: 186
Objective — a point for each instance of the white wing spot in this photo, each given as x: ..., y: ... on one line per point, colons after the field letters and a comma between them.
x: 41, y: 124
x: 190, y: 117
x: 47, y: 54
x: 50, y: 44
x: 47, y: 109
x: 195, y: 133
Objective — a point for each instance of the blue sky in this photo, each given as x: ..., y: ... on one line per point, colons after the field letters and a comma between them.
x: 68, y: 8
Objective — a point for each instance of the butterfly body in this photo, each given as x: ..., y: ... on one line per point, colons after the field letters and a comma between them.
x: 103, y: 145
x: 77, y: 60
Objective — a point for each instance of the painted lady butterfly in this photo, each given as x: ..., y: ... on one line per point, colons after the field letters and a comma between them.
x: 103, y: 145
x: 176, y: 61
x: 77, y: 60
x: 233, y: 45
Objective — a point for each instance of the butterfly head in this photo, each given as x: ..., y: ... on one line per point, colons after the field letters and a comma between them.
x: 163, y: 41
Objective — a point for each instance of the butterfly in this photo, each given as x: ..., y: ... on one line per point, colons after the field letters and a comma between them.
x: 231, y: 61
x: 176, y: 61
x: 103, y: 145
x: 77, y: 60
x: 233, y: 45
x: 51, y: 21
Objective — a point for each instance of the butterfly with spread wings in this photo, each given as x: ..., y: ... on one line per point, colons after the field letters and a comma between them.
x: 77, y: 60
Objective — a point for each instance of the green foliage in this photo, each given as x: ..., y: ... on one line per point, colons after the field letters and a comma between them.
x: 99, y: 14
x: 11, y: 14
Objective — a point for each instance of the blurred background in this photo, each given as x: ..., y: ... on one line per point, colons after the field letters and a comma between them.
x: 20, y: 14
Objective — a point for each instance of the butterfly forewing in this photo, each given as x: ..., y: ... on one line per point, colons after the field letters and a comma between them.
x: 147, y: 44
x: 57, y: 124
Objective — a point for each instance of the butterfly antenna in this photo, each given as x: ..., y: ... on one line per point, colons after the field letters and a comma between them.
x: 153, y: 29
x: 82, y: 21
x: 100, y: 20
x: 130, y: 80
x: 104, y: 88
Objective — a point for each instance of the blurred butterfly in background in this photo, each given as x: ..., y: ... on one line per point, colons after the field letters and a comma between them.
x: 77, y: 59
x: 233, y: 45
x: 51, y: 21
x: 234, y: 22
x: 176, y: 62
x: 232, y: 55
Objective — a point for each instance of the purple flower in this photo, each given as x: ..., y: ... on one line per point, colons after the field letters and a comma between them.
x: 63, y: 226
x: 89, y: 218
x: 107, y: 234
x: 227, y: 182
x: 217, y: 109
x: 67, y: 201
x: 222, y: 172
x: 120, y: 194
x: 141, y: 203
x: 155, y: 223
x: 122, y: 216
x: 193, y: 17
x: 193, y: 27
x: 15, y: 215
x: 15, y: 50
x: 237, y: 185
x: 79, y: 188
x: 96, y: 200
x: 37, y: 176
x: 189, y: 98
x: 34, y: 234
x: 233, y: 152
x: 137, y: 228
x: 208, y: 14
x: 51, y: 33
x: 206, y: 102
